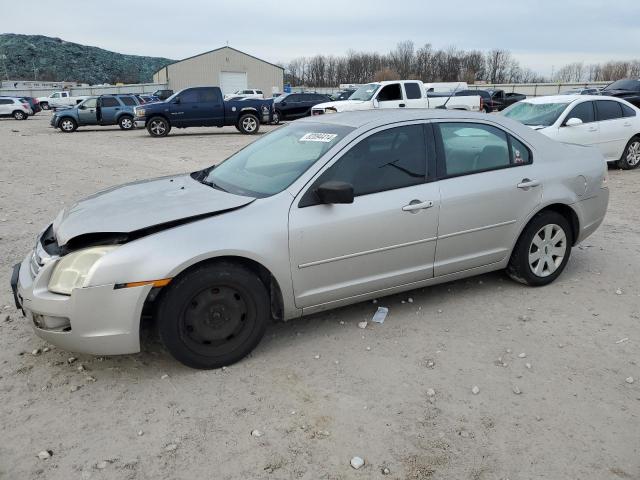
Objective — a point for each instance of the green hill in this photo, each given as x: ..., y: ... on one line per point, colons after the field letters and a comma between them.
x: 51, y: 59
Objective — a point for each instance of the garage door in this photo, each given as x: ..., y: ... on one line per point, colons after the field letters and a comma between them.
x: 232, y: 81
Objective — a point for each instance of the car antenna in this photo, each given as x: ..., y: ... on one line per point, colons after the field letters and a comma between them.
x: 444, y: 105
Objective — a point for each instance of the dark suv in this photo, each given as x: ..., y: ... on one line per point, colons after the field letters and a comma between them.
x: 296, y: 105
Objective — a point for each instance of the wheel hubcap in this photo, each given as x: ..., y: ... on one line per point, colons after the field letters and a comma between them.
x: 249, y: 124
x: 216, y: 320
x: 633, y: 153
x: 67, y: 125
x: 547, y: 250
x: 158, y: 127
x: 126, y: 123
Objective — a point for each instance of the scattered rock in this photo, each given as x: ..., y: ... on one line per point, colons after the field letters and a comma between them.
x: 44, y: 454
x: 524, y: 318
x: 622, y: 340
x: 341, y: 322
x: 516, y: 390
x: 629, y: 380
x: 172, y: 447
x: 102, y: 465
x: 140, y: 433
x: 464, y: 434
x: 165, y: 376
x: 35, y: 351
x: 475, y: 390
x: 75, y: 388
x: 363, y: 324
x: 439, y: 310
x: 357, y: 462
x: 522, y: 355
x: 528, y: 365
x: 256, y: 433
x: 385, y: 471
x: 91, y: 379
x: 431, y: 392
x: 368, y: 349
x: 70, y: 360
x: 317, y: 357
x: 618, y: 291
x: 81, y: 368
x: 46, y: 349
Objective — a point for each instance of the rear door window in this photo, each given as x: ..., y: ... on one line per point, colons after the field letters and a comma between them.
x: 109, y: 102
x: 209, y: 96
x: 190, y: 96
x: 608, y: 110
x: 627, y: 111
x: 413, y: 90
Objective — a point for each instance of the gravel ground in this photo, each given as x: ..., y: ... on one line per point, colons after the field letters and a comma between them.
x: 320, y: 390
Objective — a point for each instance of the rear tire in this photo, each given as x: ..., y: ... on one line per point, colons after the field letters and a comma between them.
x: 20, y: 115
x: 631, y: 156
x: 248, y: 124
x: 126, y: 122
x: 68, y: 125
x: 158, y: 127
x: 542, y: 251
x: 213, y: 315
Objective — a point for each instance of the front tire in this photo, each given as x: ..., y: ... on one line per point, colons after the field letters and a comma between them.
x: 20, y: 115
x: 248, y: 124
x: 277, y: 117
x: 158, y: 127
x: 68, y: 125
x: 542, y: 251
x: 126, y: 122
x: 213, y: 315
x: 631, y: 157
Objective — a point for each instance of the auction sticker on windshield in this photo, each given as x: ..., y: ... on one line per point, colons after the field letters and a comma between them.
x: 318, y: 137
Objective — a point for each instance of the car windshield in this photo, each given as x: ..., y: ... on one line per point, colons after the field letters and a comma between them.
x: 272, y: 163
x: 632, y: 85
x: 535, y: 114
x: 366, y: 92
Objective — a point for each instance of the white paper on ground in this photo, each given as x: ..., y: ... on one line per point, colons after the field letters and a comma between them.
x: 380, y: 315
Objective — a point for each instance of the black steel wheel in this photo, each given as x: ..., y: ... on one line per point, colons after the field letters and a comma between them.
x: 214, y: 315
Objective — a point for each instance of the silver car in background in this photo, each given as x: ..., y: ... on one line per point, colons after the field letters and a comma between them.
x: 318, y: 214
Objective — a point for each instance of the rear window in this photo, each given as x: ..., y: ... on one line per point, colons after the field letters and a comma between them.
x: 412, y: 90
x: 128, y: 101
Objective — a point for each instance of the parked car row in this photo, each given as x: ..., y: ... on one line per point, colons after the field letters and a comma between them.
x: 19, y: 108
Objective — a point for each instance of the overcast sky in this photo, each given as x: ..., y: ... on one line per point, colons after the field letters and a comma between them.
x: 542, y: 34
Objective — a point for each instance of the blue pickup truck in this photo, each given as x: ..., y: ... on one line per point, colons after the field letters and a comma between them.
x: 203, y: 107
x: 102, y: 110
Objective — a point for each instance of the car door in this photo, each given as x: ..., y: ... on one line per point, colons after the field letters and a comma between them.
x: 109, y: 108
x: 614, y: 134
x: 294, y: 107
x: 413, y: 95
x: 6, y: 105
x: 385, y: 238
x: 211, y: 106
x: 586, y: 133
x: 87, y: 114
x: 488, y: 186
x: 390, y: 96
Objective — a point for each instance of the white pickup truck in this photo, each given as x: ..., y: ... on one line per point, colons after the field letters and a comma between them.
x: 59, y: 99
x: 397, y: 94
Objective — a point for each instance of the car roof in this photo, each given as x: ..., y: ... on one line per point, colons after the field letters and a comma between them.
x: 376, y: 118
x: 568, y: 98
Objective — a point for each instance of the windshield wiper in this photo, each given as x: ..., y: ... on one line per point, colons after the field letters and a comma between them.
x: 213, y: 185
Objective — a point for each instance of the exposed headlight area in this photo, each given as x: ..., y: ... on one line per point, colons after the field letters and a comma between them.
x: 74, y: 270
x: 139, y: 112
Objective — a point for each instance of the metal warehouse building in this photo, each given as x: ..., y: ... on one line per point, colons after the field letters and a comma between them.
x: 226, y: 67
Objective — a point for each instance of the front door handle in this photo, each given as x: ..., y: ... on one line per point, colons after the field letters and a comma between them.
x: 526, y: 184
x: 415, y: 205
x: 402, y: 105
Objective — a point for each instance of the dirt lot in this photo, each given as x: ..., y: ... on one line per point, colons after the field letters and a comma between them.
x: 320, y: 389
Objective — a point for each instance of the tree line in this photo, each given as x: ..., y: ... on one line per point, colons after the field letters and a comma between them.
x: 439, y: 65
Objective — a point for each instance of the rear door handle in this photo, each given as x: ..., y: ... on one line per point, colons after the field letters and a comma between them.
x: 527, y: 184
x: 415, y: 205
x: 402, y: 105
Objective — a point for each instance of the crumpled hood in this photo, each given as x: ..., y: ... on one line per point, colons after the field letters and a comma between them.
x: 141, y: 205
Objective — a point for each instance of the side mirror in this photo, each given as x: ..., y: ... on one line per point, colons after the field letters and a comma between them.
x: 376, y: 103
x: 335, y: 192
x: 572, y: 122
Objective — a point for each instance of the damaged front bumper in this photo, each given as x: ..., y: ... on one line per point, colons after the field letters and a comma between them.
x: 99, y: 320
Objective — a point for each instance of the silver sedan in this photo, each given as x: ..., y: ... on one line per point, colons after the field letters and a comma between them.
x: 321, y: 213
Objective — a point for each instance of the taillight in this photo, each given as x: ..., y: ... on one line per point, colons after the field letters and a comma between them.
x: 481, y: 104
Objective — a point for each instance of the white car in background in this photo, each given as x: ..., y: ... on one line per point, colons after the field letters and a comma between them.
x: 608, y: 123
x: 247, y: 93
x: 14, y: 107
